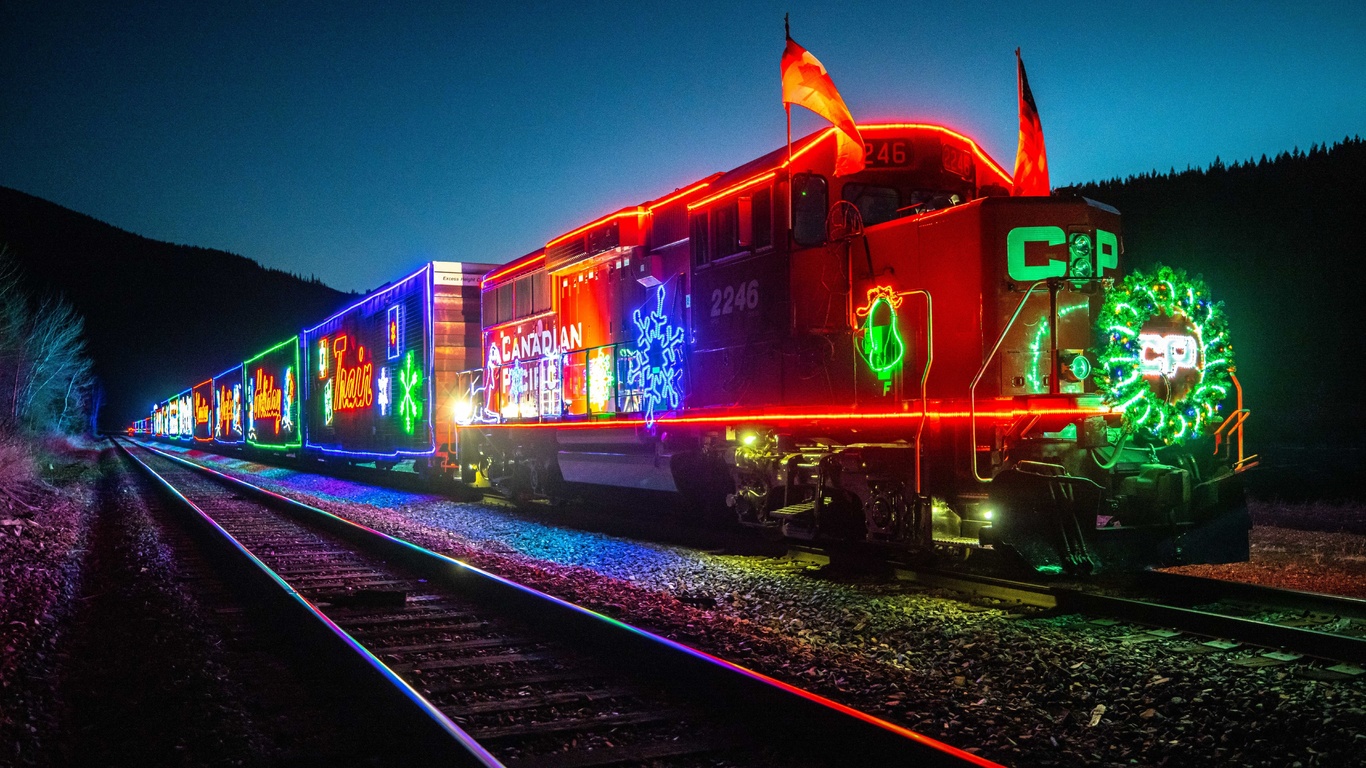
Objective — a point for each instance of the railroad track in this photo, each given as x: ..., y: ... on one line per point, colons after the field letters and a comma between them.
x: 1287, y: 624
x: 482, y: 671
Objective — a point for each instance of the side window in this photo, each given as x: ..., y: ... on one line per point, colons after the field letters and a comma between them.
x: 809, y: 205
x: 762, y: 218
x: 699, y: 238
x: 725, y: 233
x: 488, y: 306
x: 540, y: 296
x: 522, y: 296
x: 504, y: 302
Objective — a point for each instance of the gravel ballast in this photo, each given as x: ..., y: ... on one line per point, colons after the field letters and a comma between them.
x: 1018, y: 688
x: 148, y: 658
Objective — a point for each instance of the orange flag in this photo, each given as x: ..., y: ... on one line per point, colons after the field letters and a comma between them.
x: 807, y: 84
x: 1031, y: 161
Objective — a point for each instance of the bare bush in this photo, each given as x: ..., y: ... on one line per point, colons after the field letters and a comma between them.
x: 46, y: 379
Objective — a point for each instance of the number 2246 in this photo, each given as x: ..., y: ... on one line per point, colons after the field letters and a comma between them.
x: 735, y: 298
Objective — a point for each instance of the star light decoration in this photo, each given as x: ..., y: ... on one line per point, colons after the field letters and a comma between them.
x: 385, y: 385
x: 1139, y: 368
x: 656, y: 364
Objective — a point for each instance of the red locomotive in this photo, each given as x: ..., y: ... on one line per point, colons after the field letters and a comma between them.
x: 906, y: 357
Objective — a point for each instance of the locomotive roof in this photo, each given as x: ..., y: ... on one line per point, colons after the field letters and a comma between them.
x: 719, y: 183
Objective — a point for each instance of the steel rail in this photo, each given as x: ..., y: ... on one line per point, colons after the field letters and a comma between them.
x: 1202, y: 589
x: 450, y: 744
x: 1157, y: 608
x: 818, y: 725
x: 1301, y: 640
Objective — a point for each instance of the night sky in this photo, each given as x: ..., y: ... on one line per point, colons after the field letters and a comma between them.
x: 354, y: 140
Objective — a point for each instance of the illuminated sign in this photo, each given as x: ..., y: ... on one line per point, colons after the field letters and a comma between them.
x: 882, y: 346
x: 1168, y: 362
x: 369, y: 389
x: 1166, y: 355
x: 505, y: 347
x: 185, y: 416
x: 1056, y: 259
x: 271, y: 401
x: 656, y: 364
x: 394, y: 332
x: 355, y: 384
x: 601, y: 378
x: 524, y: 362
x: 410, y: 384
x: 201, y: 411
x: 266, y: 402
x: 228, y: 407
x: 386, y: 397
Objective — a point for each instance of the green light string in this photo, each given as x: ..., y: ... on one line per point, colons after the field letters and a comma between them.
x: 1129, y: 306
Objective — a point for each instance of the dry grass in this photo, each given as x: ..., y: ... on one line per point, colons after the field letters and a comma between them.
x: 1333, y: 516
x: 18, y: 464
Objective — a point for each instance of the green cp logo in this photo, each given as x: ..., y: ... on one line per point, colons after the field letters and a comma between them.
x: 1077, y: 255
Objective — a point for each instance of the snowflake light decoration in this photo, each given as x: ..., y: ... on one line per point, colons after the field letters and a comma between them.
x: 410, y: 382
x: 656, y: 365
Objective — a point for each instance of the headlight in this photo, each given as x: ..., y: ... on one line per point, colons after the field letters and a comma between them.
x: 1080, y: 262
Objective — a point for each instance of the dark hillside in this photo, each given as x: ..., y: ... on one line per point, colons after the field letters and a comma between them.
x: 159, y: 316
x: 1283, y: 242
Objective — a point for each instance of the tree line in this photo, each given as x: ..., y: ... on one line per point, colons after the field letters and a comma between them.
x: 1279, y: 240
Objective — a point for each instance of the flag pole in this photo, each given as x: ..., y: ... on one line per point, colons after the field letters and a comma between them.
x: 787, y: 106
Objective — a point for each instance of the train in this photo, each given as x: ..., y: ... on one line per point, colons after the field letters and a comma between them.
x: 907, y: 360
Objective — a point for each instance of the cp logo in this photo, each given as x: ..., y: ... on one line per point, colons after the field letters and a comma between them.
x: 1166, y: 355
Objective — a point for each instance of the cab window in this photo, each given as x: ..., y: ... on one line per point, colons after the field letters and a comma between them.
x: 875, y: 204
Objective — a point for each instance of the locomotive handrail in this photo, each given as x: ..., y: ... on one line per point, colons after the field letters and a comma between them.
x: 924, y: 378
x: 1235, y: 423
x: 972, y: 389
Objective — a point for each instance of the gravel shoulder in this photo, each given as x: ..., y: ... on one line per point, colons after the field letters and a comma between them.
x: 148, y: 659
x: 41, y: 549
x: 1023, y: 689
x: 1289, y: 558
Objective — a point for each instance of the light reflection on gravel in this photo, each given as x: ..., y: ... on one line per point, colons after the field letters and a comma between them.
x: 1044, y: 690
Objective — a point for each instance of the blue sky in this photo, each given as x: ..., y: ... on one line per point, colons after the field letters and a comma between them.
x: 355, y: 140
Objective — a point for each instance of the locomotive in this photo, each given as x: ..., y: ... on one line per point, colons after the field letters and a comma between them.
x: 906, y: 358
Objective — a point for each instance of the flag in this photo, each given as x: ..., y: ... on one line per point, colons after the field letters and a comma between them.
x: 807, y: 84
x: 1031, y: 161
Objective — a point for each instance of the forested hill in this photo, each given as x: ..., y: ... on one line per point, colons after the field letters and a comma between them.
x: 158, y: 316
x: 1282, y: 241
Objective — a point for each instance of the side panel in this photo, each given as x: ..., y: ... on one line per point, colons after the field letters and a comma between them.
x: 522, y: 366
x: 201, y: 397
x: 740, y: 317
x: 228, y: 396
x: 369, y: 383
x: 271, y: 406
x: 181, y: 417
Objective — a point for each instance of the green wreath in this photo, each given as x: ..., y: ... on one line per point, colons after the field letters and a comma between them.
x: 1167, y: 359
